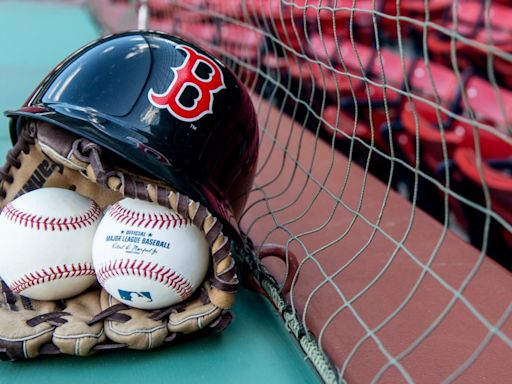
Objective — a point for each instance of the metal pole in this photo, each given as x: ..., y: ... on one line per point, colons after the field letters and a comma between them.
x: 143, y: 15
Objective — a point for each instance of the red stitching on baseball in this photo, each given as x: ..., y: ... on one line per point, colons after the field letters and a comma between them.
x: 50, y: 274
x: 28, y: 220
x: 147, y: 220
x: 146, y: 269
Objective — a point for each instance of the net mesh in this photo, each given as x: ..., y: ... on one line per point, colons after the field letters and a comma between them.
x: 381, y: 220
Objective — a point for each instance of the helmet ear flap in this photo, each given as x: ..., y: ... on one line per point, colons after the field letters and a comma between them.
x: 15, y: 125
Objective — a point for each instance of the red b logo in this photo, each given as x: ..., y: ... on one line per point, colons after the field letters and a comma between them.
x: 184, y: 76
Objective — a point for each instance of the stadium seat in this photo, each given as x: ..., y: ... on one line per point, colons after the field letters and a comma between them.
x: 484, y: 104
x: 431, y: 139
x: 360, y: 72
x: 472, y: 25
x: 469, y: 176
x: 334, y: 18
x: 491, y: 105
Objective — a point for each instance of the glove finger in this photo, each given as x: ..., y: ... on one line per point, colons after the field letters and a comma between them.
x: 76, y: 336
x: 138, y: 331
x: 26, y: 325
x: 195, y: 314
x: 193, y: 319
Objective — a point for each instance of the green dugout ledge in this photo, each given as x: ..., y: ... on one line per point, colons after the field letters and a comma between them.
x: 255, y: 348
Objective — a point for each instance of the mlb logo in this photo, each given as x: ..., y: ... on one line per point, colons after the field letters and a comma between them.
x: 135, y: 297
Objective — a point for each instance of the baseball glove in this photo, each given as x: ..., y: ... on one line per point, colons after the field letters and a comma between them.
x: 45, y: 156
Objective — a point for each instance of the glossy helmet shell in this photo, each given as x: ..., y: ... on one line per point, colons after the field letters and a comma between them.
x: 165, y: 106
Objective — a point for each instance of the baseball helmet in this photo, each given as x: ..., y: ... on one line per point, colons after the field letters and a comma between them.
x: 163, y: 105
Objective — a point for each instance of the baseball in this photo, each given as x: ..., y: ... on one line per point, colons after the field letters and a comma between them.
x: 148, y: 256
x: 47, y: 239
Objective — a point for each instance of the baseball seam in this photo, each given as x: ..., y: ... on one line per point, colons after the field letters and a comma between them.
x: 146, y: 220
x: 52, y: 273
x: 147, y: 269
x: 29, y: 220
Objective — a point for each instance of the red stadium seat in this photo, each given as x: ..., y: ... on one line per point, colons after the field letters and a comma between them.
x: 417, y: 7
x: 499, y: 183
x: 491, y: 105
x: 285, y: 22
x: 431, y: 139
x: 342, y: 82
x: 436, y: 84
x: 495, y: 149
x: 239, y: 41
x: 339, y: 17
x: 433, y: 82
x: 473, y: 25
x: 359, y: 71
x: 423, y: 119
x: 413, y: 9
x: 335, y: 19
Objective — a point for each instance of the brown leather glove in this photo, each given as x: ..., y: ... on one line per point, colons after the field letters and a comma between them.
x: 45, y: 156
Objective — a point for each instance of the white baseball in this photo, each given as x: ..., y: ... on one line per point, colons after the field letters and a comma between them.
x: 148, y: 256
x: 47, y: 236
